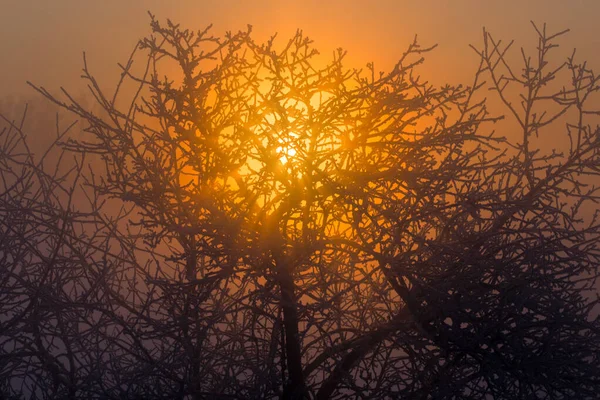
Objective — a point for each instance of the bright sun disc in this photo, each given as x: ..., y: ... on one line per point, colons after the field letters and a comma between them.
x: 286, y: 154
x: 286, y: 150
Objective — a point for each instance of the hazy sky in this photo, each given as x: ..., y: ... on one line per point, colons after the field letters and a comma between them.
x: 43, y: 40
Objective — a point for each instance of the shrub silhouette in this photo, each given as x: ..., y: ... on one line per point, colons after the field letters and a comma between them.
x: 261, y: 225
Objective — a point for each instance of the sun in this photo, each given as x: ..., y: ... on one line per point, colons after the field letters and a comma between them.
x: 286, y: 154
x: 286, y: 150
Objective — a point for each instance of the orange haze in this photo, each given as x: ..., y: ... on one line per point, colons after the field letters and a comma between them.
x: 43, y: 41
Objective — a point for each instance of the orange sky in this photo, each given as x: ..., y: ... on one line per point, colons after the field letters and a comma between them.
x: 43, y: 40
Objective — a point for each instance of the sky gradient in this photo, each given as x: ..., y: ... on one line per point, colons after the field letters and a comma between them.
x: 43, y: 41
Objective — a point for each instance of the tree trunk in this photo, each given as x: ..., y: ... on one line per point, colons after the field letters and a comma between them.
x: 295, y: 387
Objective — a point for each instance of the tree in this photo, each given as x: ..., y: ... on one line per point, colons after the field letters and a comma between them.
x: 267, y: 227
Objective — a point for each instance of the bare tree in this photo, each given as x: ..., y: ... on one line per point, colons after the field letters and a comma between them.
x: 269, y: 226
x: 51, y: 272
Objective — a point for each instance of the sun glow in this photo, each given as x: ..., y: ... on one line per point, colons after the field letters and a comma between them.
x: 286, y: 151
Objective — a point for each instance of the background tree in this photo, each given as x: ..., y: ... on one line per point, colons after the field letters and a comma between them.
x: 53, y: 262
x: 275, y: 226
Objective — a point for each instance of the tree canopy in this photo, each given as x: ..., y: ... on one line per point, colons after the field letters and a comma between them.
x: 258, y: 223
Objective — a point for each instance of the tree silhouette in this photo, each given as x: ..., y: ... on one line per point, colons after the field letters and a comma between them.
x: 264, y: 225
